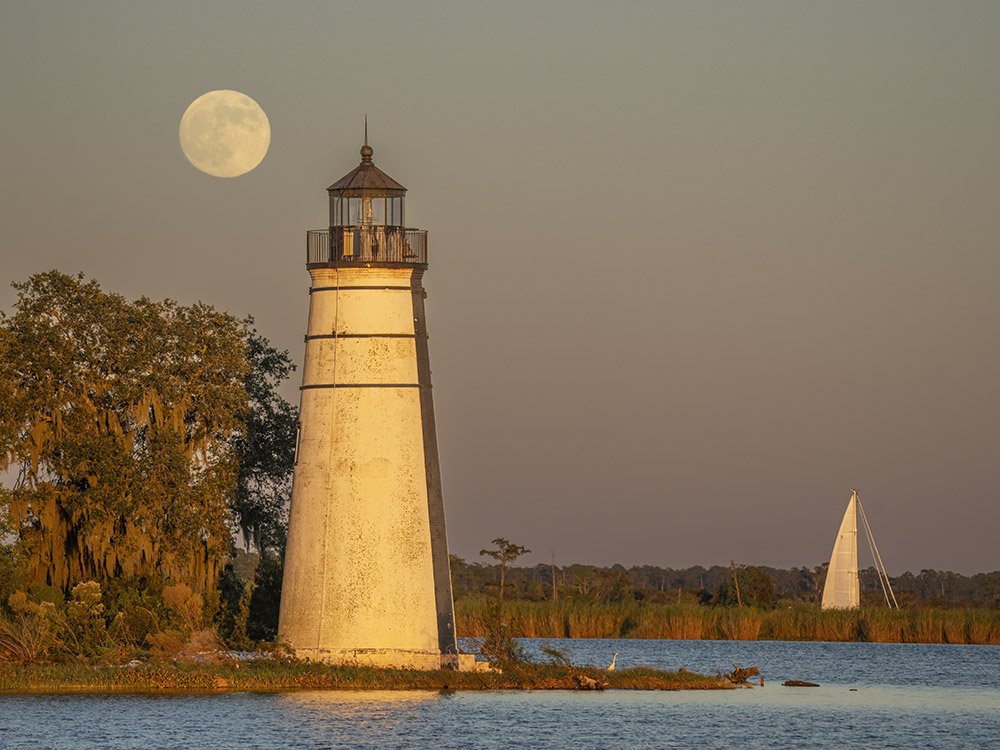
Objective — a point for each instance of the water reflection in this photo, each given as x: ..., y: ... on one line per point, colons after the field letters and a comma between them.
x: 324, y: 716
x: 340, y: 701
x: 871, y: 695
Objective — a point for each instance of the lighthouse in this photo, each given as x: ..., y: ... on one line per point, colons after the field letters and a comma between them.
x: 367, y: 577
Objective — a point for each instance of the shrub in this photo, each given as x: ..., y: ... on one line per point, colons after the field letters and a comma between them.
x: 27, y: 636
x: 83, y: 624
x: 497, y: 644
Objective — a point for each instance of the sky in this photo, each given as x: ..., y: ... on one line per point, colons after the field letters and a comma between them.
x: 696, y: 269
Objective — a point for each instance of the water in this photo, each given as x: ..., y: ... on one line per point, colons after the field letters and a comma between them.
x: 870, y: 696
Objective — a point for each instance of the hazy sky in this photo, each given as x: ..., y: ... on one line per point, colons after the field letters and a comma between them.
x: 696, y: 269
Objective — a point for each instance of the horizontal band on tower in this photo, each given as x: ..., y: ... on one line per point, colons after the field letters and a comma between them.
x: 362, y: 385
x: 352, y: 288
x: 363, y: 336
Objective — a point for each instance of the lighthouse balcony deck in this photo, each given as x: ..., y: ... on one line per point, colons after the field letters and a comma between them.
x: 366, y: 245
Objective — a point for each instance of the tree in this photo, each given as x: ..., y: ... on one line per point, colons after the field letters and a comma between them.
x: 120, y: 417
x: 12, y: 558
x: 265, y: 448
x: 756, y: 588
x: 505, y: 552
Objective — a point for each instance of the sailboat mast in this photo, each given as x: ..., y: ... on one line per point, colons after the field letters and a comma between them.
x: 879, y: 566
x: 871, y: 547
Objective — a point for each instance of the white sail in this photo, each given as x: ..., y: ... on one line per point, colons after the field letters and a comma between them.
x: 842, y: 590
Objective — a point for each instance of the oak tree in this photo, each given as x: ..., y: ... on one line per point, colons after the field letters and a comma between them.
x: 119, y: 417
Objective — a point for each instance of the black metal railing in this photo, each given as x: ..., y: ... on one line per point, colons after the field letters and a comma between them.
x: 367, y: 245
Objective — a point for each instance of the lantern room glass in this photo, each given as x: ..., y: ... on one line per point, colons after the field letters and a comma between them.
x: 365, y: 210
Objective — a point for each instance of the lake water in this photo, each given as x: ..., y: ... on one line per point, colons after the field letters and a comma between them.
x: 870, y: 696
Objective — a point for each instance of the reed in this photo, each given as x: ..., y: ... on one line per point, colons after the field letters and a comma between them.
x: 682, y: 623
x: 884, y: 626
x: 927, y: 627
x: 980, y: 630
x: 739, y: 625
x: 956, y: 629
x: 790, y: 624
x: 577, y: 619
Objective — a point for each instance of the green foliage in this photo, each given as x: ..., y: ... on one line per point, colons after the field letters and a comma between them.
x: 27, y: 636
x: 144, y: 433
x: 43, y: 626
x: 697, y: 584
x: 120, y: 416
x: 265, y: 448
x: 248, y: 613
x: 83, y: 626
x: 608, y: 585
x: 187, y: 606
x: 134, y: 625
x: 233, y: 589
x: 498, y: 643
x: 285, y: 674
x: 505, y: 552
x: 756, y: 589
x: 41, y: 593
x: 558, y: 657
x: 238, y: 638
x: 265, y: 599
x: 13, y: 556
x: 469, y: 578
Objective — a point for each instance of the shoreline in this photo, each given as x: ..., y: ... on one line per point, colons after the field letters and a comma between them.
x: 265, y: 676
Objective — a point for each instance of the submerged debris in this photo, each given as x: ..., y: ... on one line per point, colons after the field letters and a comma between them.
x: 740, y: 675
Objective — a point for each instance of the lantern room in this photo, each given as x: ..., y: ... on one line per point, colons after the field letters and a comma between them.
x: 367, y: 222
x: 366, y: 196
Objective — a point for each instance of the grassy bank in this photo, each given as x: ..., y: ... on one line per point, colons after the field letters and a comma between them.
x: 799, y: 623
x: 266, y: 676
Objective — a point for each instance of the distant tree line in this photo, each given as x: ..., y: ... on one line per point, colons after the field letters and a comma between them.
x: 759, y: 586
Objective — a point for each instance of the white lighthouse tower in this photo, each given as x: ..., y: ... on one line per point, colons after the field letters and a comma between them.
x: 367, y: 577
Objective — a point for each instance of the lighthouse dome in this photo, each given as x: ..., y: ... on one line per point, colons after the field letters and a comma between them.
x: 366, y: 179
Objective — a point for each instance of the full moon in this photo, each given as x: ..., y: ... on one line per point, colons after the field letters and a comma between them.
x: 225, y: 133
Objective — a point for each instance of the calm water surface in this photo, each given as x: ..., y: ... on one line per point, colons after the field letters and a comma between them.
x: 871, y: 696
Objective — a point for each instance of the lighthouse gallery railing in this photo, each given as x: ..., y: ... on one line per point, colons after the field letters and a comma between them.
x: 367, y: 244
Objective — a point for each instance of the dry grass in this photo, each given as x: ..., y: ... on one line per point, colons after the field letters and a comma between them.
x: 571, y: 619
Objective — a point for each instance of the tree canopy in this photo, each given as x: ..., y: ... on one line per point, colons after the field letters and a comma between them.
x: 125, y: 421
x: 505, y: 552
x: 265, y: 448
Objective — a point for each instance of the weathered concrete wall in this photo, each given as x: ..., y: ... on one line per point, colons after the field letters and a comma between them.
x: 435, y: 498
x: 363, y: 571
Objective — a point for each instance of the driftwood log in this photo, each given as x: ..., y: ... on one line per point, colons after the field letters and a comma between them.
x: 799, y: 683
x: 587, y: 683
x: 740, y: 675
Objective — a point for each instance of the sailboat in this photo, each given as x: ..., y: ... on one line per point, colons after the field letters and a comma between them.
x: 842, y: 589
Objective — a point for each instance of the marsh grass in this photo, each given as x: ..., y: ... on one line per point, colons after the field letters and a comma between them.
x: 574, y: 619
x: 266, y: 676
